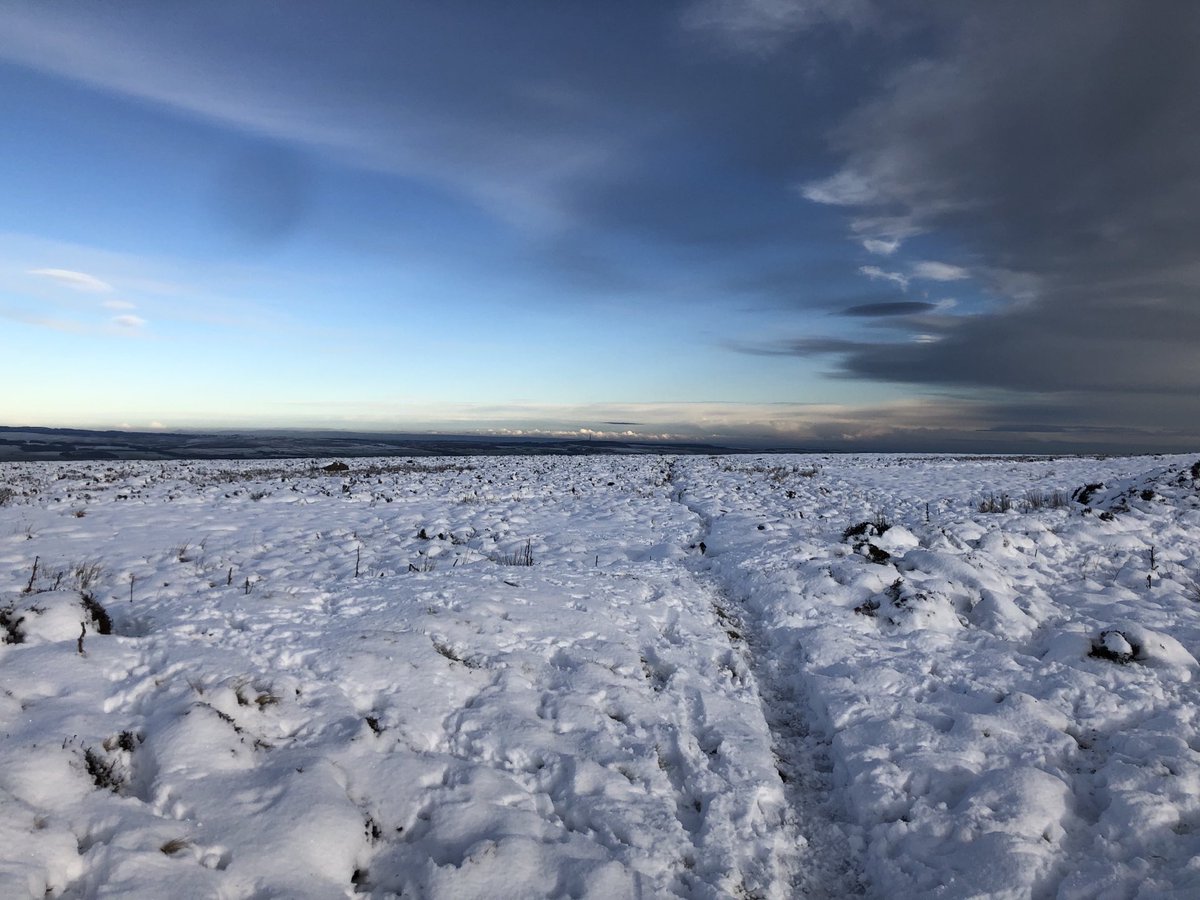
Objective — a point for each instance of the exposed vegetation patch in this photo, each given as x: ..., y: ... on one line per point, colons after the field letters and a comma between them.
x: 877, y: 555
x: 875, y: 527
x: 10, y: 626
x: 103, y: 771
x: 453, y: 655
x: 101, y: 621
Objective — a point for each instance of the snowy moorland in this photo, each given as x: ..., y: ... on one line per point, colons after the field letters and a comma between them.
x: 601, y: 677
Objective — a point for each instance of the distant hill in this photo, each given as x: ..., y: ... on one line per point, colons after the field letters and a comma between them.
x: 30, y: 444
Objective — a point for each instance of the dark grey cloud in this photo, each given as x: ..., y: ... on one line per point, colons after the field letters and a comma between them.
x: 1086, y: 420
x: 1056, y: 144
x: 1093, y: 411
x: 893, y: 308
x: 1000, y: 352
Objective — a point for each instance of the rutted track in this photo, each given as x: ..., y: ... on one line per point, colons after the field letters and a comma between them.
x: 827, y: 864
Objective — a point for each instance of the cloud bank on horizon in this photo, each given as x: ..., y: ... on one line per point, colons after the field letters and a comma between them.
x: 919, y: 225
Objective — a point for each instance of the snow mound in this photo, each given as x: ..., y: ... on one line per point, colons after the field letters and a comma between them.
x: 47, y: 616
x: 1126, y: 642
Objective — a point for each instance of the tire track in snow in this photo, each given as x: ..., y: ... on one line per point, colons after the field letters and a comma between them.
x: 827, y: 864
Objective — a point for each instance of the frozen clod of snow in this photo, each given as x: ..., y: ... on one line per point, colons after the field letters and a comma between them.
x: 510, y: 677
x: 1116, y: 646
x: 896, y: 540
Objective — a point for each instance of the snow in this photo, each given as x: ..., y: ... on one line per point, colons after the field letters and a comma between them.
x: 720, y: 677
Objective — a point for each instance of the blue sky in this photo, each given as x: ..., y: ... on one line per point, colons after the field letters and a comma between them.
x: 772, y: 221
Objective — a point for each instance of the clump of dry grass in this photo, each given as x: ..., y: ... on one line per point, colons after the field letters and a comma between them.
x: 995, y: 503
x: 521, y: 557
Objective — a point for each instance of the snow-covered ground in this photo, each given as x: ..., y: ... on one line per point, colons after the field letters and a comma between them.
x: 720, y: 677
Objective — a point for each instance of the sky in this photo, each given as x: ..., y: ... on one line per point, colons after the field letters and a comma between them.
x: 832, y: 224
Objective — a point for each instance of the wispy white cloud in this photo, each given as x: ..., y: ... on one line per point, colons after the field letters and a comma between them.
x: 79, y: 281
x: 163, y: 289
x: 202, y: 63
x: 764, y: 26
x: 881, y: 247
x: 883, y: 234
x: 939, y: 271
x: 117, y: 326
x: 877, y: 274
x: 845, y: 188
